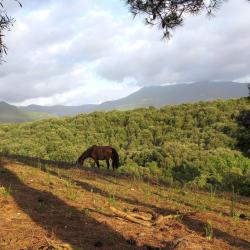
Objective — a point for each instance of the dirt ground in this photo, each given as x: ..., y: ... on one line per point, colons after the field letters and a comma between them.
x: 52, y: 208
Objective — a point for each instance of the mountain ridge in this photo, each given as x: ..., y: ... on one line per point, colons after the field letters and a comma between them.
x: 156, y: 96
x: 12, y: 114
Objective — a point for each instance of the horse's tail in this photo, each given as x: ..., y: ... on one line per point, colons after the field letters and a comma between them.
x: 115, y: 159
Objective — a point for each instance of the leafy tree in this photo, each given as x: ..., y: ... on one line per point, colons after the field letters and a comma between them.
x: 186, y: 172
x: 243, y: 134
x: 168, y: 14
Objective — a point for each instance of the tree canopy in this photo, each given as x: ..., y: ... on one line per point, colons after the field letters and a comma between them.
x: 168, y: 14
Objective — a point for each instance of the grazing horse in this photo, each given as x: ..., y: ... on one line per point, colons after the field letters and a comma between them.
x: 100, y: 153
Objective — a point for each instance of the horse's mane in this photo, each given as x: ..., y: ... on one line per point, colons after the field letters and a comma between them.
x: 85, y: 154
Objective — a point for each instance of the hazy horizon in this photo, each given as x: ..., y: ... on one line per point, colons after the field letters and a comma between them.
x: 139, y: 89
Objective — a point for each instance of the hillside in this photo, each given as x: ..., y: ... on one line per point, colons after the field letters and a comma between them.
x: 200, y: 145
x: 156, y: 96
x: 12, y: 114
x: 53, y: 208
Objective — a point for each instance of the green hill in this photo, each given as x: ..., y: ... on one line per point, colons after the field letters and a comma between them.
x: 12, y: 114
x: 200, y: 145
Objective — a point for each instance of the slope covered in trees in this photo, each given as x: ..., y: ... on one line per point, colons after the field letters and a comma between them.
x: 200, y: 145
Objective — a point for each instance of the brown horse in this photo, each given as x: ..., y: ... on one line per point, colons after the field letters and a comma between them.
x: 100, y: 153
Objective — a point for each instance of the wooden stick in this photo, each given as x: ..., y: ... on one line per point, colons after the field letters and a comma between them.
x: 139, y: 216
x: 129, y: 217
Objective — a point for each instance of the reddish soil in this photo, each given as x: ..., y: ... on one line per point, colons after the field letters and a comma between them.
x: 67, y: 209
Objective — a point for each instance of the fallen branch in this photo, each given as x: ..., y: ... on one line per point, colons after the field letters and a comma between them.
x: 139, y: 216
x: 129, y: 217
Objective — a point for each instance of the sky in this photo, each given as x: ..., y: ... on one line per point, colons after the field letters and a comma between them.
x: 79, y: 52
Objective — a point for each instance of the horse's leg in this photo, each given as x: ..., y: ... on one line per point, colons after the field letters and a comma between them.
x: 97, y: 163
x: 113, y: 164
x: 107, y: 161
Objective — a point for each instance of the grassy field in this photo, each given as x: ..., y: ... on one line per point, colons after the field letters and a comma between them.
x: 55, y: 208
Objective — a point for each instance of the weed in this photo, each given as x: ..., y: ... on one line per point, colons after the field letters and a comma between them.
x: 100, y: 209
x: 179, y: 218
x: 71, y: 190
x: 42, y: 205
x: 22, y: 177
x: 6, y: 191
x: 234, y: 199
x: 59, y: 172
x: 161, y: 193
x: 212, y: 192
x: 112, y: 200
x: 72, y: 195
x: 47, y: 179
x: 86, y: 211
x: 209, y: 230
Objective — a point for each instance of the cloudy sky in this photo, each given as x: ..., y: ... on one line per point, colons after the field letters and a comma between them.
x: 80, y: 51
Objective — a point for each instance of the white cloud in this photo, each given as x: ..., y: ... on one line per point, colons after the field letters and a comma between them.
x: 76, y: 52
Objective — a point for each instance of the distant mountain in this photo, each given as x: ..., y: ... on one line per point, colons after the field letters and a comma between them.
x: 13, y: 114
x: 157, y: 96
x: 60, y: 110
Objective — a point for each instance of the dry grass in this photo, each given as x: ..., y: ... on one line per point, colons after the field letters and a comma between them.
x: 66, y: 209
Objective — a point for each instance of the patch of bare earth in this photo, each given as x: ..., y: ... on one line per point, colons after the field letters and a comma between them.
x: 52, y: 208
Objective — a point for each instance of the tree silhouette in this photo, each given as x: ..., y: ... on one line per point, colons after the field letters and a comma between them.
x: 5, y: 23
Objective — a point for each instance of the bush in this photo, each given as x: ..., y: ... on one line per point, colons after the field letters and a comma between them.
x: 186, y: 172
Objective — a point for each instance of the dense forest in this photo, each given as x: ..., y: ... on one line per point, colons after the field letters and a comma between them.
x: 202, y: 145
